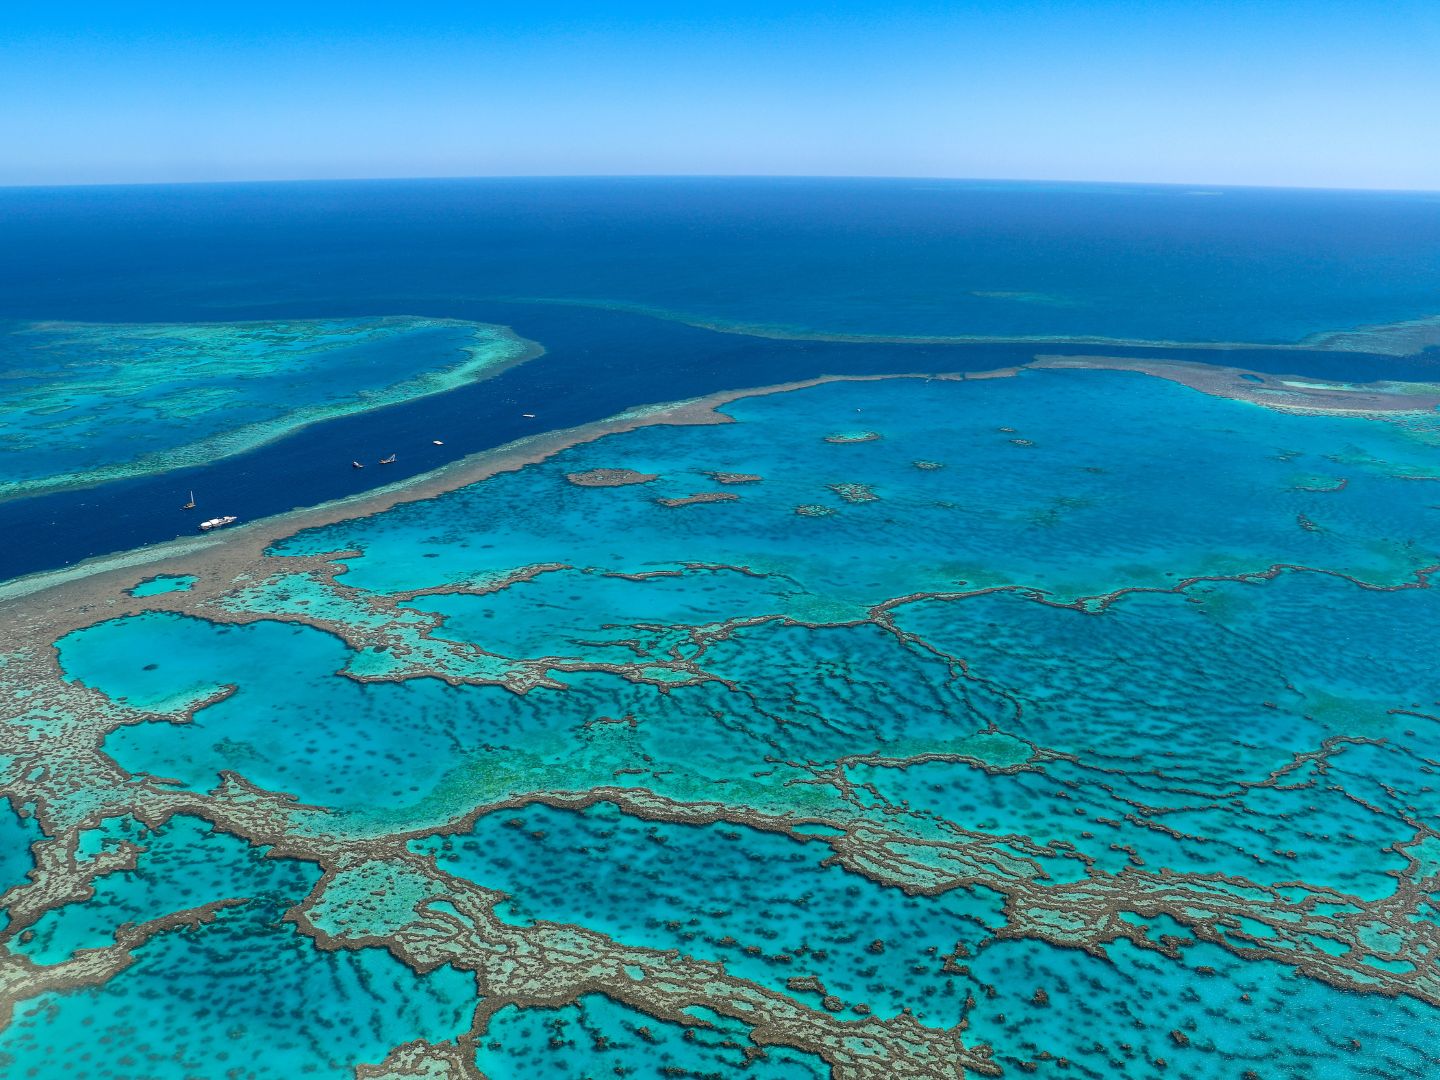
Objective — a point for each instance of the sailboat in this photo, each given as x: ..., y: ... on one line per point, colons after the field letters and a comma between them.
x: 388, y: 460
x: 191, y: 504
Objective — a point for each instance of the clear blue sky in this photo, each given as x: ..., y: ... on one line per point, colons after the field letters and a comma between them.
x: 1333, y: 93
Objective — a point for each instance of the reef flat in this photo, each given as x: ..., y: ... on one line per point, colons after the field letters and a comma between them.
x: 88, y: 403
x: 1086, y: 732
x: 1409, y: 402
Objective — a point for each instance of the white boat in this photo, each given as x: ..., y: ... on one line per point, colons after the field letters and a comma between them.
x: 215, y: 523
x: 388, y: 460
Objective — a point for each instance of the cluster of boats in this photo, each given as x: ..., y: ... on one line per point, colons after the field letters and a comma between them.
x: 212, y: 523
x: 218, y: 522
x: 384, y: 460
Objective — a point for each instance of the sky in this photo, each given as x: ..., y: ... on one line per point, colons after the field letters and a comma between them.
x: 1326, y: 93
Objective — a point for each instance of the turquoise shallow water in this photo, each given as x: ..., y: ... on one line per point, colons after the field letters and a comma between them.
x: 598, y: 1037
x: 244, y: 993
x: 88, y: 403
x: 718, y: 890
x: 761, y: 904
x: 919, y: 733
x: 243, y: 996
x: 1119, y: 1016
x: 340, y: 742
x: 16, y: 836
x: 164, y: 583
x: 183, y: 864
x: 1116, y: 480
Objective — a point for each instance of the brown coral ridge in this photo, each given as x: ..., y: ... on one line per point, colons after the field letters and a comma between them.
x: 421, y: 1060
x: 610, y: 478
x: 700, y: 497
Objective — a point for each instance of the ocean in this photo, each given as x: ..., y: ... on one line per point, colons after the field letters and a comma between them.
x: 895, y: 704
x: 659, y: 266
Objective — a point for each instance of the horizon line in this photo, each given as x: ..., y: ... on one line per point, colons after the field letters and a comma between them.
x: 1198, y: 185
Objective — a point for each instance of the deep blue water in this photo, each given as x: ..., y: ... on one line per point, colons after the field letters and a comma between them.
x: 823, y: 256
x: 887, y: 256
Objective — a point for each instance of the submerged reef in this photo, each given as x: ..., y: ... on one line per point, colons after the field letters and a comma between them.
x: 92, y: 402
x: 1081, y: 760
x: 1405, y: 338
x: 699, y: 497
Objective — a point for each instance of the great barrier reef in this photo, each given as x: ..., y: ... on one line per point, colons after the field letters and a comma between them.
x: 699, y: 628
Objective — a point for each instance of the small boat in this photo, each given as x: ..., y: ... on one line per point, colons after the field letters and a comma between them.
x: 528, y: 415
x: 437, y: 442
x: 388, y: 460
x: 356, y: 465
x: 191, y: 504
x: 215, y: 523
